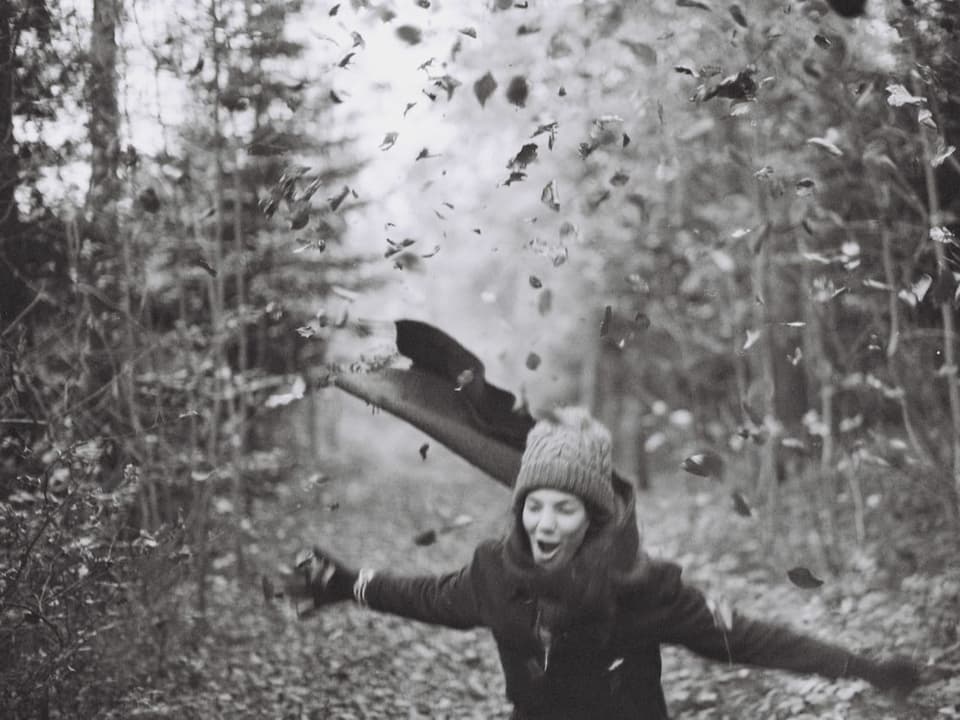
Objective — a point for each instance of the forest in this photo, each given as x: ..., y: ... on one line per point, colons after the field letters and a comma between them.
x: 729, y: 230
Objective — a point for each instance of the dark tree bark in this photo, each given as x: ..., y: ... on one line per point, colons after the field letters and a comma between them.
x: 104, y: 118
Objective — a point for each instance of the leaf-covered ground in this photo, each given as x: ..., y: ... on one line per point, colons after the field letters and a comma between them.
x: 377, y: 494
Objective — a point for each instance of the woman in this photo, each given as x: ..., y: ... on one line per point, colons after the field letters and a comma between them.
x: 577, y: 610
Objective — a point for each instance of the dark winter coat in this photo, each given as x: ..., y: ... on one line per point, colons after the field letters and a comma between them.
x: 594, y: 663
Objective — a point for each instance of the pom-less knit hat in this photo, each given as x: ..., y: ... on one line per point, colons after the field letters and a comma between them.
x: 568, y: 450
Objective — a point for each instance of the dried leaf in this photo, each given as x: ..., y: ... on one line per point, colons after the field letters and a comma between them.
x: 389, y: 140
x: 517, y: 91
x: 737, y: 14
x: 526, y: 155
x: 825, y: 145
x: 704, y: 464
x: 898, y: 96
x: 550, y: 196
x: 535, y: 282
x: 346, y: 59
x: 484, y: 88
x: 803, y: 578
x: 740, y: 504
x: 408, y: 108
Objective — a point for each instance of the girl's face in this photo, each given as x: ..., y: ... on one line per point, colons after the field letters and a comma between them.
x: 556, y: 523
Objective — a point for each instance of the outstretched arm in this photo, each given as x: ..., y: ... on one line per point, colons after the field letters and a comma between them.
x: 451, y: 599
x: 686, y: 619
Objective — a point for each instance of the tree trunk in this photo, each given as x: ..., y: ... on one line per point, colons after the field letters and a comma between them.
x: 9, y: 165
x: 104, y: 118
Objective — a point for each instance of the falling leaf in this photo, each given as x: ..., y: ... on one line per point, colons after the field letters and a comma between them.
x: 562, y: 92
x: 425, y: 4
x: 943, y: 152
x: 825, y: 145
x: 448, y: 84
x: 763, y: 173
x: 424, y: 155
x: 795, y: 324
x: 737, y: 14
x: 526, y: 155
x: 642, y: 52
x: 300, y: 218
x: 925, y: 118
x: 346, y: 59
x: 410, y: 34
x: 484, y: 88
x: 408, y: 108
x: 850, y: 8
x: 464, y: 379
x: 752, y: 337
x: 551, y: 129
x: 686, y: 70
x: 335, y: 98
x: 722, y: 613
x: 704, y: 464
x: 619, y: 179
x: 803, y: 578
x: 334, y: 10
x: 358, y: 40
x: 796, y: 357
x: 535, y: 282
x: 388, y: 140
x: 740, y: 504
x: 942, y: 235
x: 335, y: 202
x: 427, y: 255
x: 605, y: 323
x: 423, y: 450
x: 626, y: 139
x: 528, y: 29
x: 197, y: 69
x: 741, y: 86
x: 921, y: 287
x: 694, y: 4
x: 550, y: 196
x: 641, y: 321
x: 517, y: 91
x: 533, y: 361
x: 822, y: 41
x: 306, y: 331
x: 469, y: 32
x: 898, y: 96
x: 515, y: 176
x: 427, y: 537
x: 545, y: 301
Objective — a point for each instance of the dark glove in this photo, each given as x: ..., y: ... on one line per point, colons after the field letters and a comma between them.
x: 897, y: 675
x: 320, y: 577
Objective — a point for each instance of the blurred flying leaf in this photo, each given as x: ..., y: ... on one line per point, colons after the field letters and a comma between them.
x: 619, y: 179
x: 740, y: 504
x: 795, y: 323
x: 410, y: 34
x: 812, y: 68
x: 605, y: 323
x: 737, y: 14
x: 741, y: 86
x: 408, y: 108
x: 517, y: 91
x: 686, y: 70
x: 803, y: 578
x: 427, y: 255
x: 337, y: 201
x: 358, y: 40
x: 425, y: 538
x: 334, y: 10
x: 898, y: 96
x: 423, y: 450
x: 550, y: 196
x: 484, y: 88
x: 921, y: 287
x: 822, y: 41
x: 943, y: 152
x: 464, y: 379
x: 752, y: 337
x: 825, y: 145
x: 346, y: 59
x: 515, y: 176
x: 763, y: 173
x: 388, y: 140
x: 334, y: 98
x: 301, y: 217
x: 796, y: 356
x: 626, y: 140
x: 641, y: 321
x: 545, y: 301
x: 694, y: 4
x: 526, y: 155
x: 307, y: 331
x: 447, y: 83
x: 704, y: 464
x: 535, y: 282
x: 469, y: 32
x: 424, y: 154
x: 550, y: 128
x: 533, y: 361
x: 850, y: 8
x: 525, y: 29
x: 641, y: 51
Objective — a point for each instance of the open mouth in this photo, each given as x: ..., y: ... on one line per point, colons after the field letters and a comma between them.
x: 547, y: 548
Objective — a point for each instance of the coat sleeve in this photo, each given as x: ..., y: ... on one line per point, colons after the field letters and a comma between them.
x: 689, y: 621
x: 453, y: 600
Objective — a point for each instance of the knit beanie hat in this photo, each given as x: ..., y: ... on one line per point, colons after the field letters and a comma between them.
x: 571, y: 451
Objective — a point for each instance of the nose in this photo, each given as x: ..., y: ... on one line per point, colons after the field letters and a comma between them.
x: 548, y: 521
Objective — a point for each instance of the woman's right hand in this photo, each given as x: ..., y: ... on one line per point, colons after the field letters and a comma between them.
x: 319, y: 576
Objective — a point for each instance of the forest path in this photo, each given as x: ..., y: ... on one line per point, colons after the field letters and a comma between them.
x: 376, y: 494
